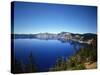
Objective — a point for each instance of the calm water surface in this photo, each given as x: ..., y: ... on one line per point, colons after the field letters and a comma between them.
x: 45, y: 52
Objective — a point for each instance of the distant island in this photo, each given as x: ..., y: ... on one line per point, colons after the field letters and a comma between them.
x: 62, y: 36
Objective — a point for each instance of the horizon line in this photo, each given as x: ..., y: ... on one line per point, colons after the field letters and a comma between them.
x: 56, y: 33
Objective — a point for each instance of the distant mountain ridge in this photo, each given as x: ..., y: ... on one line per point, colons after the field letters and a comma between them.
x: 63, y: 36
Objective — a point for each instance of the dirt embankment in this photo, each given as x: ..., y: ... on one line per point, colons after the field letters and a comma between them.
x: 89, y: 65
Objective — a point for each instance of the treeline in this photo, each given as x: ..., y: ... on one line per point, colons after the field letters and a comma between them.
x: 88, y: 53
x: 20, y: 67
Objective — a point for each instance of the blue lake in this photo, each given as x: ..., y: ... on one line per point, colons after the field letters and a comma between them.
x: 45, y: 52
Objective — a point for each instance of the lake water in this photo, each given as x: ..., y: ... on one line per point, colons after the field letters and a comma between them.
x: 45, y: 52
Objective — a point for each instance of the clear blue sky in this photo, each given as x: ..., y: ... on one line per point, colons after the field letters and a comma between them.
x: 54, y: 18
